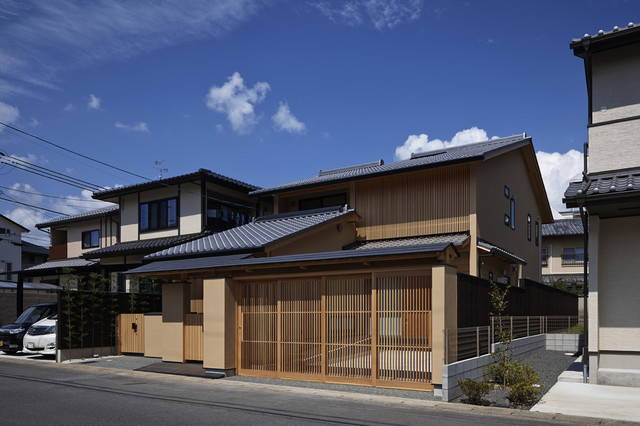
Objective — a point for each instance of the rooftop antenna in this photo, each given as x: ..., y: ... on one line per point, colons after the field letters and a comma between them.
x: 160, y: 169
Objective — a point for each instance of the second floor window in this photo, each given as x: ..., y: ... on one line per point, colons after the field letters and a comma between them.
x: 544, y: 257
x: 161, y: 214
x: 90, y: 239
x: 572, y: 256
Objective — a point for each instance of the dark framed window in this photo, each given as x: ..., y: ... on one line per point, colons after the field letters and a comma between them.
x: 544, y: 257
x: 572, y: 256
x: 90, y: 239
x: 160, y: 214
x: 507, y: 219
x: 507, y: 193
x: 537, y: 233
x: 529, y: 227
x: 324, y: 201
x: 512, y: 213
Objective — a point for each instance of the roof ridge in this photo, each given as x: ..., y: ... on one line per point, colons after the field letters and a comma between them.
x: 512, y: 138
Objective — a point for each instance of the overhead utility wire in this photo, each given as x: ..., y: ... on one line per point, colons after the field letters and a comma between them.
x: 48, y: 173
x: 32, y: 206
x: 118, y: 168
x: 50, y: 196
x: 73, y: 152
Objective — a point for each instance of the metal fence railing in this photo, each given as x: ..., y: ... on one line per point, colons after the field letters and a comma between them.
x: 470, y: 342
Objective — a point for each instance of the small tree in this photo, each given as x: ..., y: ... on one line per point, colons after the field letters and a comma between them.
x: 499, y: 369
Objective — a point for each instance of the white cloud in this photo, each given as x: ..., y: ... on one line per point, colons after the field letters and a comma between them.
x: 138, y: 127
x: 39, y: 39
x: 8, y: 114
x: 285, y: 120
x: 382, y: 14
x: 421, y: 143
x: 557, y: 170
x: 219, y: 128
x: 34, y: 122
x: 238, y: 102
x: 94, y: 102
x: 69, y: 107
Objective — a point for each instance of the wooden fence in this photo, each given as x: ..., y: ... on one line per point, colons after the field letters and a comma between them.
x: 370, y: 329
x: 529, y: 299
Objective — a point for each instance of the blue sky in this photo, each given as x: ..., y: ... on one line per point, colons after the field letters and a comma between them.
x: 272, y: 91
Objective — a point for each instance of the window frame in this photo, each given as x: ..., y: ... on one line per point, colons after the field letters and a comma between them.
x: 544, y: 257
x: 575, y: 258
x: 529, y: 226
x: 512, y: 213
x: 157, y: 217
x: 87, y: 244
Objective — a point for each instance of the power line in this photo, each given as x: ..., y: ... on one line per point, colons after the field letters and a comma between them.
x: 32, y: 206
x: 48, y: 173
x: 73, y: 152
x: 50, y: 196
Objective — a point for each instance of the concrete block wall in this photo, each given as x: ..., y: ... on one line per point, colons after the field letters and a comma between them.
x: 565, y: 342
x: 474, y: 368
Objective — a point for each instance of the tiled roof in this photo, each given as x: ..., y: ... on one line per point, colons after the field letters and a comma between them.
x: 62, y: 263
x: 141, y: 247
x: 451, y: 155
x: 104, y: 211
x: 563, y: 227
x: 615, y: 182
x: 456, y: 239
x: 603, y: 40
x: 31, y: 248
x: 255, y: 235
x: 505, y: 253
x: 243, y: 260
x: 201, y: 173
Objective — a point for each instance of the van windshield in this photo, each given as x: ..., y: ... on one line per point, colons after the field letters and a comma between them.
x: 34, y: 314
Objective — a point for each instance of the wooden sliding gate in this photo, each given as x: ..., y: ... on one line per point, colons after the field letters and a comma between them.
x: 371, y: 329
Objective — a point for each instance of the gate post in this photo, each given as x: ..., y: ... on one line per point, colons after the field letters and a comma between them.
x: 219, y: 322
x: 444, y: 313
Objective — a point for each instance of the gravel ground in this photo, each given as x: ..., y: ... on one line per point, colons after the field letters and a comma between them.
x: 548, y: 364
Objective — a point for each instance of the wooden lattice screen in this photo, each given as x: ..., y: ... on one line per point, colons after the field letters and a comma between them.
x: 322, y: 329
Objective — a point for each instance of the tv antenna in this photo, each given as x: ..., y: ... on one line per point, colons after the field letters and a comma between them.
x: 160, y: 169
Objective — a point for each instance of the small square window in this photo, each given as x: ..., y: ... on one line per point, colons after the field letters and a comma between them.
x: 507, y: 220
x: 90, y: 239
x: 507, y: 193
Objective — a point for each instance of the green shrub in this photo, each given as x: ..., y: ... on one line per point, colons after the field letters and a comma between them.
x: 523, y: 383
x: 474, y: 391
x: 576, y: 329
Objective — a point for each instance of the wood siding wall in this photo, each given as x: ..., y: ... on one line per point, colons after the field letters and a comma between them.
x: 410, y: 204
x: 131, y: 333
x: 193, y: 337
x: 372, y: 329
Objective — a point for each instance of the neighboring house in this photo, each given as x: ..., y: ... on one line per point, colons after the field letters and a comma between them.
x: 145, y: 218
x: 353, y: 279
x: 33, y: 255
x: 562, y: 253
x: 10, y: 248
x: 610, y: 193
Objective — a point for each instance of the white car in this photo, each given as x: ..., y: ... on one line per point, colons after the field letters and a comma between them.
x: 41, y: 337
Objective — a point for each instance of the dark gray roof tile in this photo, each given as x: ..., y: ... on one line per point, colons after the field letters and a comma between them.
x: 451, y: 155
x: 457, y: 239
x: 255, y: 235
x: 104, y: 211
x: 562, y: 227
x: 615, y: 182
x: 62, y: 263
x: 141, y: 247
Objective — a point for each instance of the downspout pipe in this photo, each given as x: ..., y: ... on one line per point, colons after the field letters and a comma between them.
x: 584, y: 216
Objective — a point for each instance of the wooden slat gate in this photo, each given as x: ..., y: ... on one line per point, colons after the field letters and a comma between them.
x: 193, y: 337
x: 322, y: 329
x: 131, y: 333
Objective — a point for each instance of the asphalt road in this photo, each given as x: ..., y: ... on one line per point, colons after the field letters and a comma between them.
x: 43, y: 393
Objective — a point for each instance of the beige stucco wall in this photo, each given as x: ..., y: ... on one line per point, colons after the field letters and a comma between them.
x: 491, y: 177
x: 330, y: 237
x: 190, y: 208
x: 129, y: 218
x: 619, y: 284
x: 614, y: 146
x: 219, y: 323
x: 554, y: 246
x: 616, y: 95
x: 75, y: 230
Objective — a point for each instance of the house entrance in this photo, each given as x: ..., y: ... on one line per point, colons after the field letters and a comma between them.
x: 370, y: 329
